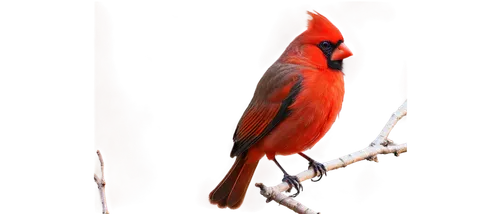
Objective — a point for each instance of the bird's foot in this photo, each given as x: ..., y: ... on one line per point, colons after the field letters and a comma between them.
x: 319, y: 168
x: 294, y: 182
x: 316, y: 165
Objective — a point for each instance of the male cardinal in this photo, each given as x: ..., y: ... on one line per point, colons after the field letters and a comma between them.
x: 295, y: 103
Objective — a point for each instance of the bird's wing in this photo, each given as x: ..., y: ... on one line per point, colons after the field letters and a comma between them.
x: 275, y: 92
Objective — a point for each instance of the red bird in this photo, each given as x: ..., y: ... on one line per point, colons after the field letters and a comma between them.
x: 295, y: 103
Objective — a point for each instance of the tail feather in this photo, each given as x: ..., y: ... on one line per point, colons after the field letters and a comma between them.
x: 231, y: 190
x: 239, y: 190
x: 222, y: 190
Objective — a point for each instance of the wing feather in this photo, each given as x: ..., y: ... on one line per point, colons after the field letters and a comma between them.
x: 268, y: 108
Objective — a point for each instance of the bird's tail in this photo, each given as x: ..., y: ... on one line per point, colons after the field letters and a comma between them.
x: 231, y: 190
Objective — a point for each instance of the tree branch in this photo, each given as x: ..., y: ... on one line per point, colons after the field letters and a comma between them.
x: 395, y: 117
x: 101, y: 185
x: 272, y: 194
x: 381, y: 145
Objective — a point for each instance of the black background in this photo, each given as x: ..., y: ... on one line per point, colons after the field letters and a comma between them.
x: 192, y: 64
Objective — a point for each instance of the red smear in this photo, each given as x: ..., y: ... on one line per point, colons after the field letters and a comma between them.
x: 403, y: 85
x: 365, y: 183
x: 351, y: 15
x: 119, y: 126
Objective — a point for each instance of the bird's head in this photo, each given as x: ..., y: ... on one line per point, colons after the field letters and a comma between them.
x: 321, y: 44
x: 309, y: 36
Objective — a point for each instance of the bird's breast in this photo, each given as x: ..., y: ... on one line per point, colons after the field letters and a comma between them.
x: 320, y: 102
x: 312, y: 114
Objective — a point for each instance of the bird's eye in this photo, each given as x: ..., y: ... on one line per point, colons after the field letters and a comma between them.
x: 325, y: 46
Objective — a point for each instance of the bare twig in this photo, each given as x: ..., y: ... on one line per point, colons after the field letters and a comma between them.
x: 101, y: 185
x: 281, y: 198
x: 381, y: 145
x: 98, y: 181
x: 293, y: 205
x: 395, y: 117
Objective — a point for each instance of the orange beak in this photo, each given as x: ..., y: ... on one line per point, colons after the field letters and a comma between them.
x: 341, y: 52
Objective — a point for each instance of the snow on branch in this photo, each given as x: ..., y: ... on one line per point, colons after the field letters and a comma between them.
x: 101, y: 184
x: 381, y: 145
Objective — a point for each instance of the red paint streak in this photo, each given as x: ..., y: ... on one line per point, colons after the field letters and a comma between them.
x: 351, y: 15
x: 366, y: 183
x: 119, y: 126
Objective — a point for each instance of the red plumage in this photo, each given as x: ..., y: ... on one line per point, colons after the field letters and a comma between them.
x: 294, y: 105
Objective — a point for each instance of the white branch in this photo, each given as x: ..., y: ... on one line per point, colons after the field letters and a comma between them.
x: 98, y: 181
x: 395, y: 117
x: 381, y: 145
x: 283, y: 199
x: 101, y: 185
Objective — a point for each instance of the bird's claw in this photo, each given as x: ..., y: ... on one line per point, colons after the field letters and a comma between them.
x: 319, y: 170
x: 294, y: 182
x: 316, y: 164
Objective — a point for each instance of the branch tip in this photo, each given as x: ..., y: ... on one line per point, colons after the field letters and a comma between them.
x: 101, y: 184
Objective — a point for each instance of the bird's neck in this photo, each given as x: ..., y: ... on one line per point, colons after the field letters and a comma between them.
x: 305, y: 55
x: 302, y: 61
